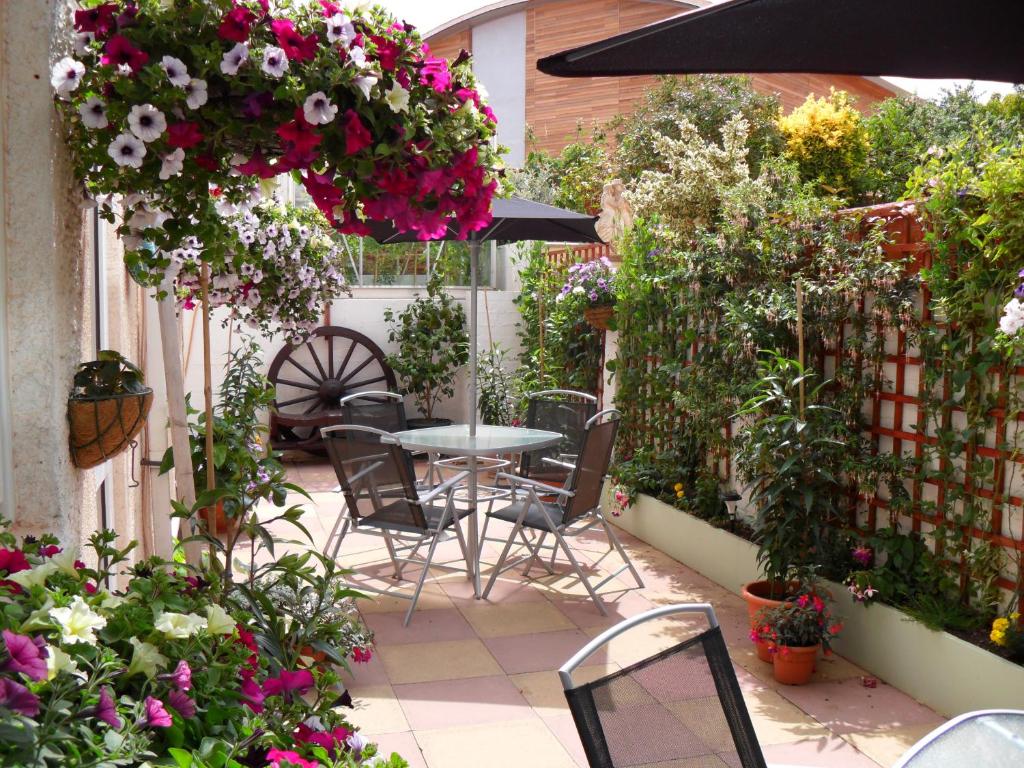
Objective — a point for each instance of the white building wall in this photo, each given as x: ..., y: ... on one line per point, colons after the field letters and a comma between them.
x: 499, y: 56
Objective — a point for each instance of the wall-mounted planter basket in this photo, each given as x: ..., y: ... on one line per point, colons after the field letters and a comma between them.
x: 599, y: 317
x: 102, y: 427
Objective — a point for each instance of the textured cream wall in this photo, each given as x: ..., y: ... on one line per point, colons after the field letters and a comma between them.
x: 49, y: 284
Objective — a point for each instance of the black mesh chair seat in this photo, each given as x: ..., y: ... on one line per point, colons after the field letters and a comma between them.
x: 538, y: 517
x: 395, y: 516
x: 565, y: 412
x: 680, y: 707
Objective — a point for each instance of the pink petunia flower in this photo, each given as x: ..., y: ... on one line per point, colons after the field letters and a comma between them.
x: 119, y: 51
x: 357, y: 137
x: 182, y: 675
x: 287, y: 683
x: 17, y: 698
x: 299, y: 133
x: 434, y: 74
x: 156, y: 715
x: 180, y: 701
x: 236, y: 24
x: 296, y: 47
x: 388, y: 52
x: 252, y: 695
x: 283, y: 758
x: 98, y: 20
x: 106, y: 710
x: 13, y: 561
x: 25, y: 655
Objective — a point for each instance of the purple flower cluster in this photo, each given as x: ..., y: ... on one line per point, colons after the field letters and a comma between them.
x: 594, y: 281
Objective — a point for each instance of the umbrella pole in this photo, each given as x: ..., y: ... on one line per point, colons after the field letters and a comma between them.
x: 474, y: 540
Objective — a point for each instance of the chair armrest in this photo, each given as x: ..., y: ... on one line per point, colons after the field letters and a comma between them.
x: 557, y: 463
x: 444, y: 487
x: 527, y: 483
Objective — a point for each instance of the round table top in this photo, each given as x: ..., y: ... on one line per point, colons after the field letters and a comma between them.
x: 984, y: 738
x: 488, y: 441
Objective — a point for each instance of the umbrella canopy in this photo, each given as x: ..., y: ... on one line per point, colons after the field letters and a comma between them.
x: 909, y: 38
x: 514, y: 219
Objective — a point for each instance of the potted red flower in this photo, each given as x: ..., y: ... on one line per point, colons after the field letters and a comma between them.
x: 793, y: 632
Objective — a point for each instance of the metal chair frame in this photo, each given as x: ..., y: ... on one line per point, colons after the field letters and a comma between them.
x: 402, y: 545
x: 560, y: 530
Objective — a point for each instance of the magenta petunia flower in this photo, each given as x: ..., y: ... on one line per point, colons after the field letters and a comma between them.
x: 106, y: 710
x: 17, y: 698
x: 434, y: 74
x: 184, y: 135
x: 362, y: 655
x: 156, y: 715
x: 49, y: 550
x: 252, y: 695
x: 285, y: 758
x: 180, y: 701
x: 25, y: 655
x: 357, y: 137
x: 299, y: 133
x: 119, y: 51
x: 13, y: 561
x: 288, y: 682
x: 99, y: 20
x: 388, y: 52
x: 295, y: 46
x: 237, y: 24
x: 182, y: 675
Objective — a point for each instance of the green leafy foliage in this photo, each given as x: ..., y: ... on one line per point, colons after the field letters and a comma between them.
x: 109, y: 374
x: 498, y: 398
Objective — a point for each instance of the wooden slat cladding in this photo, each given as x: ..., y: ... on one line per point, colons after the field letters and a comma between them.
x: 556, y: 106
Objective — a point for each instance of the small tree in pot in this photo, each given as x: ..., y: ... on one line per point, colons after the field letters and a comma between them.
x: 432, y: 346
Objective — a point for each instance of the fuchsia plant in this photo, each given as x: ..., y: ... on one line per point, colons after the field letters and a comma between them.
x: 165, y: 99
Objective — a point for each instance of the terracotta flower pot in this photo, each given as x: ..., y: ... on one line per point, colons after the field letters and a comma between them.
x: 218, y: 523
x: 755, y: 594
x: 794, y: 665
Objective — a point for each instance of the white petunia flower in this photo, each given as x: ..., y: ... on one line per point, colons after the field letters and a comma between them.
x: 339, y: 28
x: 127, y: 151
x: 365, y: 84
x: 175, y: 71
x: 94, y: 113
x: 179, y: 625
x: 78, y: 622
x: 58, y: 661
x: 397, y: 98
x: 66, y: 76
x: 1013, y: 317
x: 147, y: 122
x: 171, y: 164
x: 34, y: 577
x: 82, y: 42
x: 357, y: 56
x: 146, y: 658
x: 234, y: 59
x: 195, y: 93
x: 219, y: 621
x: 318, y: 110
x: 275, y: 62
x: 65, y: 562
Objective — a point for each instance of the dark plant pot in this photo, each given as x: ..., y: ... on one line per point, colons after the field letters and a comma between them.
x: 102, y: 427
x: 419, y: 423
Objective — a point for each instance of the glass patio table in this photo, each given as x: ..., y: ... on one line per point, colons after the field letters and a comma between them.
x: 989, y: 737
x: 456, y: 440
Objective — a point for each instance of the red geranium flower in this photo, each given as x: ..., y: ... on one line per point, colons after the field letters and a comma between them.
x: 296, y: 47
x: 119, y: 50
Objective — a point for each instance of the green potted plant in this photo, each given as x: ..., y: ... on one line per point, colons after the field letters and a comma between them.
x: 432, y: 345
x: 792, y: 457
x: 499, y: 392
x: 106, y: 409
x: 794, y: 631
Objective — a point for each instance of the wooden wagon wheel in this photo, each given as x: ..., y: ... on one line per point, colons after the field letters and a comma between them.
x: 312, y: 377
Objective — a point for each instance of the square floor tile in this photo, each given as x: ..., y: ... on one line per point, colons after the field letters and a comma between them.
x: 849, y: 707
x: 584, y: 613
x: 431, y: 598
x: 650, y: 638
x: 506, y: 589
x: 450, y: 703
x: 425, y: 627
x: 504, y: 619
x: 886, y: 747
x: 377, y: 710
x: 507, y: 745
x: 539, y: 652
x: 777, y: 720
x: 544, y: 692
x: 404, y: 744
x: 447, y: 660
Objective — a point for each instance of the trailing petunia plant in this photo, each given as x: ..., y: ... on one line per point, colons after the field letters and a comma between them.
x: 165, y: 100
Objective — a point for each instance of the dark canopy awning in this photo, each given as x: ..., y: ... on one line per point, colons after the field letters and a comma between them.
x: 979, y: 40
x: 515, y: 219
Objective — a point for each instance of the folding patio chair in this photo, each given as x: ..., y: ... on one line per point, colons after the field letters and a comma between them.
x: 682, y: 706
x: 556, y: 410
x: 382, y: 499
x: 575, y: 510
x: 383, y: 410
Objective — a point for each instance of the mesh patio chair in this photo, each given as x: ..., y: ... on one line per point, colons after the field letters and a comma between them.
x: 556, y: 410
x: 682, y: 706
x: 576, y: 509
x: 382, y: 499
x: 383, y: 410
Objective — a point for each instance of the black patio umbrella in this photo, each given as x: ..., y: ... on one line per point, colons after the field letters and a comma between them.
x: 514, y: 219
x: 908, y: 38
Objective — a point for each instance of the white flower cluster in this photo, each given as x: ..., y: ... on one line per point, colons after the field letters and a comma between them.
x: 1013, y: 317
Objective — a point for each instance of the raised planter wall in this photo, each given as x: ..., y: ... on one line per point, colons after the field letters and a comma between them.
x: 936, y: 668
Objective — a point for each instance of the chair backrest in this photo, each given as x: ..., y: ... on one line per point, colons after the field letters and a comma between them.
x: 682, y: 704
x: 374, y: 473
x: 382, y: 410
x: 595, y: 456
x: 556, y: 410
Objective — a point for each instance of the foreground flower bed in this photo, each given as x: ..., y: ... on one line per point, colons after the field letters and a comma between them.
x: 170, y: 669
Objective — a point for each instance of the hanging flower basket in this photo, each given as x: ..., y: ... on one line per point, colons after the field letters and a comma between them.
x: 102, y: 427
x: 599, y: 317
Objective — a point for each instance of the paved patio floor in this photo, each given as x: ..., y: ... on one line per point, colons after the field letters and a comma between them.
x: 472, y: 684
